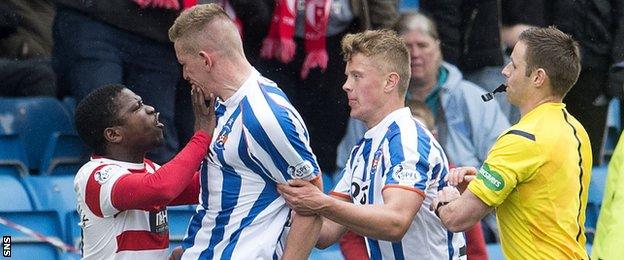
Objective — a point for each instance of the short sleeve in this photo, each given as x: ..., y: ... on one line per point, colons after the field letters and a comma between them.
x: 278, y: 137
x: 514, y: 159
x: 98, y: 192
x: 343, y: 187
x: 409, y: 165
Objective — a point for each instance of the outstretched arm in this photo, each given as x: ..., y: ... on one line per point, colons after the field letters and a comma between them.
x: 388, y: 221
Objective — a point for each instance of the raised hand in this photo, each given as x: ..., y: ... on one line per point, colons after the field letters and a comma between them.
x: 203, y: 110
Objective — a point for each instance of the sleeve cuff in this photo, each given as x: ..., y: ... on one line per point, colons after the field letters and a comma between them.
x: 420, y: 192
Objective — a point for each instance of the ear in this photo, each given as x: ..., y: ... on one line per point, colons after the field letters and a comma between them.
x: 539, y: 77
x: 206, y: 59
x: 392, y: 82
x: 113, y: 135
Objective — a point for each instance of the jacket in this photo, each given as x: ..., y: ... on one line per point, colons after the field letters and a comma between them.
x: 152, y: 23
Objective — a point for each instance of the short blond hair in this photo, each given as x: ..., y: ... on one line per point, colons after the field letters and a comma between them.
x: 193, y: 21
x: 385, y: 45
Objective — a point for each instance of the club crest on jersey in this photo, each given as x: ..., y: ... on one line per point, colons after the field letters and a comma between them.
x: 223, y: 136
x: 102, y: 175
x: 376, y: 160
x: 405, y: 174
x: 303, y: 170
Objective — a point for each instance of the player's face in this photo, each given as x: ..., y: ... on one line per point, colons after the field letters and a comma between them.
x: 425, y: 55
x: 140, y: 127
x: 193, y: 68
x: 515, y: 72
x: 364, y: 86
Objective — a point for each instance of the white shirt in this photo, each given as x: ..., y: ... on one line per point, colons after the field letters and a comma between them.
x: 112, y: 234
x: 400, y: 153
x: 260, y: 140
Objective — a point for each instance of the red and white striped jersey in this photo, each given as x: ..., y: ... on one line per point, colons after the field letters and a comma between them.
x: 109, y: 233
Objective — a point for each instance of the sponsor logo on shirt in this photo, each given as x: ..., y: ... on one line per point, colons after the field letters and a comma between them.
x: 303, y: 170
x: 405, y: 174
x: 158, y: 221
x: 102, y: 175
x: 492, y: 179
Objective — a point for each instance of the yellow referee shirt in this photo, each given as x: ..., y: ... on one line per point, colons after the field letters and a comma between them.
x: 537, y: 176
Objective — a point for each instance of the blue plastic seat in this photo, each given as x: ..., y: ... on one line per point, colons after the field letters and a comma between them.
x: 594, y: 200
x: 26, y: 247
x: 179, y: 218
x: 63, y: 154
x: 35, y: 119
x: 332, y: 252
x: 612, y: 131
x: 13, y: 154
x: 495, y: 252
x: 56, y: 193
x: 69, y: 103
x: 73, y: 232
x: 15, y: 196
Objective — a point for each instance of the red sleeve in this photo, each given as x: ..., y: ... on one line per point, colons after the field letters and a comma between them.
x: 152, y: 191
x: 190, y: 195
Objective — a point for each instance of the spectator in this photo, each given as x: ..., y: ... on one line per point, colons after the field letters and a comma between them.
x: 471, y: 40
x: 25, y: 47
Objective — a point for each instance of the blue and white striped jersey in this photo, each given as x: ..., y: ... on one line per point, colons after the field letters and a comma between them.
x: 400, y: 153
x: 260, y: 140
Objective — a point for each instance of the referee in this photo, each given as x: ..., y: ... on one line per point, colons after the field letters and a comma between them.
x: 536, y: 175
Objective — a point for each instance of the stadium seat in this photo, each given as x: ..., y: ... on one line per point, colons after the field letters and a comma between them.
x: 73, y: 232
x: 69, y: 103
x: 332, y: 252
x: 495, y: 252
x: 63, y: 154
x: 15, y: 196
x: 35, y: 119
x: 56, y: 193
x: 13, y: 155
x: 594, y: 200
x: 179, y: 217
x: 26, y: 247
x: 612, y: 131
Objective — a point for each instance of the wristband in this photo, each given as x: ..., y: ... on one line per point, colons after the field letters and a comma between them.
x: 437, y: 209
